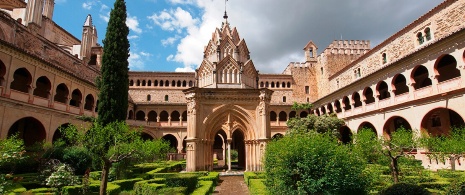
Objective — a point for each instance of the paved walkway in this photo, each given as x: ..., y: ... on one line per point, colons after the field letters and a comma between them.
x: 231, y: 185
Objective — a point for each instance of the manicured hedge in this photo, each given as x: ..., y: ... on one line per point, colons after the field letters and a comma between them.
x: 112, y: 189
x: 43, y: 190
x: 447, y: 173
x: 16, y: 188
x: 206, y: 187
x: 252, y: 175
x: 96, y: 175
x: 148, y: 186
x: 172, y: 191
x: 212, y: 176
x: 257, y: 186
x: 127, y: 184
x: 183, y: 180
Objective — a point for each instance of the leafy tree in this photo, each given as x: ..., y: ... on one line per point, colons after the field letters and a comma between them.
x: 11, y: 151
x: 451, y: 146
x: 304, y: 106
x: 114, y: 81
x: 400, y: 144
x: 367, y: 145
x: 320, y: 124
x: 313, y: 163
x: 113, y: 143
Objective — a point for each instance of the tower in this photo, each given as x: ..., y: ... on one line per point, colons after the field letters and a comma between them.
x: 48, y: 8
x: 34, y: 12
x: 88, y: 39
x: 310, y: 52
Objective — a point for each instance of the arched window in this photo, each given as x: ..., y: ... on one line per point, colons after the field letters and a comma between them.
x: 357, y: 100
x: 179, y: 84
x: 383, y: 90
x: 346, y: 102
x: 191, y: 84
x: 284, y: 99
x: 43, y: 87
x: 272, y: 84
x: 175, y: 116
x: 420, y: 38
x: 421, y: 77
x: 149, y: 98
x: 283, y: 85
x: 400, y: 85
x: 89, y: 102
x: 164, y: 116
x: 338, y: 106
x: 288, y: 84
x: 140, y: 115
x: 173, y: 83
x: 428, y: 34
x: 130, y: 114
x: 277, y: 84
x: 161, y: 83
x: 152, y: 116
x: 166, y: 98
x: 282, y: 116
x: 447, y: 68
x: 138, y: 82
x: 262, y: 84
x: 384, y: 58
x: 369, y: 97
x: 143, y: 83
x: 167, y: 83
x: 273, y: 116
x: 76, y: 98
x: 131, y: 83
x: 61, y: 94
x: 184, y: 83
x: 267, y: 84
x: 22, y: 80
x: 149, y: 83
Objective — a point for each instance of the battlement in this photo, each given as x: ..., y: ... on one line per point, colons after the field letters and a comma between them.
x: 349, y: 47
x: 294, y: 65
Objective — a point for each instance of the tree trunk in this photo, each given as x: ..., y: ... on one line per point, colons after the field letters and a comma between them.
x: 395, y: 170
x: 452, y: 162
x: 104, y: 178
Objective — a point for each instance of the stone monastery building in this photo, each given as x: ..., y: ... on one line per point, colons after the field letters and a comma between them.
x: 412, y: 79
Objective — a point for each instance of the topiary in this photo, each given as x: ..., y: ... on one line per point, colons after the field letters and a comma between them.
x: 403, y: 188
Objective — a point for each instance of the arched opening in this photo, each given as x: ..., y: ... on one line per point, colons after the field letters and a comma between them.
x: 140, y: 115
x: 446, y: 68
x: 61, y: 94
x: 149, y: 97
x: 282, y: 116
x: 440, y: 121
x: 149, y: 83
x: 138, y: 82
x: 277, y: 84
x: 219, y: 147
x: 131, y: 114
x: 330, y: 108
x: 395, y: 123
x: 345, y: 135
x: 184, y: 83
x: 76, y: 98
x: 43, y: 87
x: 238, y: 144
x: 152, y: 116
x: 164, y: 116
x: 58, y: 135
x: 143, y: 83
x: 288, y: 84
x: 131, y: 83
x: 167, y: 83
x: 89, y: 102
x: 323, y: 110
x: 262, y: 84
x: 191, y: 84
x: 155, y: 83
x: 338, y: 106
x: 184, y: 116
x: 382, y: 90
x: 29, y: 129
x: 346, y: 102
x: 161, y: 83
x: 273, y: 116
x: 272, y: 84
x: 357, y: 100
x: 178, y: 84
x: 420, y: 77
x: 283, y: 85
x: 146, y: 136
x: 267, y: 84
x: 368, y: 93
x: 175, y: 116
x: 366, y: 126
x: 399, y: 84
x: 184, y: 143
x: 317, y: 112
x: 277, y: 136
x: 292, y: 114
x: 303, y: 114
x: 173, y: 142
x: 173, y: 83
x: 21, y: 80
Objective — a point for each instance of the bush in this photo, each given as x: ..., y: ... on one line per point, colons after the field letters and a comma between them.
x: 257, y: 186
x: 403, y: 188
x: 206, y: 187
x: 127, y: 184
x: 313, y: 164
x: 148, y: 186
x: 252, y: 175
x: 457, y: 187
x: 212, y: 176
x: 78, y: 157
x: 112, y: 189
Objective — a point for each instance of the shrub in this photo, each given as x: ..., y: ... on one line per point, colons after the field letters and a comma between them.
x: 457, y: 187
x: 127, y: 184
x: 257, y: 186
x: 206, y: 187
x: 252, y: 175
x: 403, y: 188
x: 212, y: 176
x: 78, y: 157
x: 313, y: 163
x: 112, y: 189
x: 183, y: 180
x: 172, y: 191
x: 62, y: 176
x: 148, y: 186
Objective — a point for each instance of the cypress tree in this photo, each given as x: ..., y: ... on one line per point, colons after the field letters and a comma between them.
x: 114, y: 81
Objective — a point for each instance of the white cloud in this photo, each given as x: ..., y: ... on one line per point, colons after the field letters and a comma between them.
x: 174, y: 20
x: 133, y: 24
x: 145, y: 54
x: 105, y: 18
x: 133, y: 37
x: 184, y: 69
x: 181, y: 1
x: 104, y: 7
x: 137, y: 60
x: 88, y: 5
x: 170, y: 40
x: 170, y: 58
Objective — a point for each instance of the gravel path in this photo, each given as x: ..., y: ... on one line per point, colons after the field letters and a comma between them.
x: 231, y: 185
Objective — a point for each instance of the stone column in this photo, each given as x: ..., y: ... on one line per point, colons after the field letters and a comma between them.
x: 229, y: 154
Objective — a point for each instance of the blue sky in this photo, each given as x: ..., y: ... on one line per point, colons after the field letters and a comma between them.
x: 169, y: 35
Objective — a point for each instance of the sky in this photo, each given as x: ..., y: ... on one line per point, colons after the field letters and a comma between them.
x: 170, y: 35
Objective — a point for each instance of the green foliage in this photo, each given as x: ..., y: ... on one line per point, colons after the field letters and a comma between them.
x: 148, y: 186
x: 114, y: 81
x: 403, y: 188
x: 450, y: 147
x: 367, y: 145
x: 320, y: 124
x: 252, y: 175
x: 112, y: 189
x: 212, y: 176
x: 77, y: 157
x: 127, y: 184
x: 188, y: 180
x: 257, y: 187
x: 305, y: 106
x: 206, y: 187
x: 313, y: 164
x: 11, y: 151
x: 457, y: 187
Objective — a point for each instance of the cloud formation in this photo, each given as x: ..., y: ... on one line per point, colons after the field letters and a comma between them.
x: 276, y: 31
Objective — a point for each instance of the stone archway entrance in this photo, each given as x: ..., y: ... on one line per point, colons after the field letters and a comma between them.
x: 238, y: 145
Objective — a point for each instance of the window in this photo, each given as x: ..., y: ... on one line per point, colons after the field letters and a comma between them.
x: 284, y: 98
x: 149, y: 97
x: 420, y: 38
x: 166, y: 98
x: 307, y: 90
x: 337, y: 84
x: 321, y: 70
x: 428, y: 34
x: 311, y: 52
x: 384, y: 58
x: 308, y: 99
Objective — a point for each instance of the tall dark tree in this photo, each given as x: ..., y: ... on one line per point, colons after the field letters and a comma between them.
x: 114, y: 81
